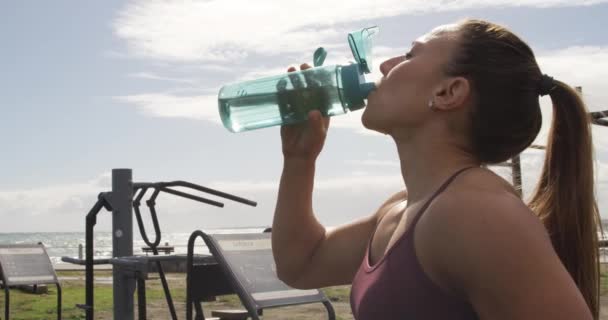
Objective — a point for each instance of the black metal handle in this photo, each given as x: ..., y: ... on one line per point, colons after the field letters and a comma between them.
x: 190, y: 185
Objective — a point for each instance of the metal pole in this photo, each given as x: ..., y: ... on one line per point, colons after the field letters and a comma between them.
x: 7, y: 301
x: 58, y: 300
x: 516, y: 162
x: 122, y: 241
x: 141, y: 297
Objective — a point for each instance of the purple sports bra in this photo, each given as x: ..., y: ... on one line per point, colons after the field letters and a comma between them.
x: 396, y: 287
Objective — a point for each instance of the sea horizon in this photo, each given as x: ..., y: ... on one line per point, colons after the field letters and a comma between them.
x: 60, y: 244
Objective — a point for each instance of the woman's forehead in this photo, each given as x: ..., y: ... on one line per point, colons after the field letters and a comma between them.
x: 448, y: 31
x: 441, y: 38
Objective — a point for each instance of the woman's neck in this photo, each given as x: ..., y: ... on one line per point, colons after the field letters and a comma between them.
x: 427, y: 163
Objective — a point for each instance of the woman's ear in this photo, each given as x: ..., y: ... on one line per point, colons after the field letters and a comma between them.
x: 452, y: 94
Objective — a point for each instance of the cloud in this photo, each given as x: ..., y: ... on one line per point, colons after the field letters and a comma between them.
x: 202, y: 107
x: 223, y: 30
x: 600, y: 138
x: 337, y: 200
x: 80, y: 196
x: 375, y: 163
x: 58, y: 200
x: 358, y: 182
x: 580, y: 66
x: 63, y: 207
x: 152, y: 76
x: 602, y: 173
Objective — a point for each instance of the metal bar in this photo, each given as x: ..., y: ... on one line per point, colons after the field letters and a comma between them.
x: 58, y: 301
x: 141, y: 185
x: 139, y: 195
x: 536, y: 146
x: 91, y: 220
x: 503, y: 164
x: 200, y: 315
x: 180, y: 183
x: 140, y: 223
x: 158, y: 234
x: 599, y: 114
x: 161, y: 271
x: 189, y: 267
x: 154, y: 245
x: 191, y: 197
x: 151, y: 203
x: 122, y: 241
x: 7, y: 301
x: 141, y: 297
x: 601, y: 122
x: 331, y: 313
x: 516, y: 161
x: 165, y: 284
x: 211, y: 191
x: 598, y: 118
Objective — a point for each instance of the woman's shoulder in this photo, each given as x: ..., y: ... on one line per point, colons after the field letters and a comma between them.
x: 481, y: 222
x: 484, y: 243
x: 479, y: 202
x: 400, y: 197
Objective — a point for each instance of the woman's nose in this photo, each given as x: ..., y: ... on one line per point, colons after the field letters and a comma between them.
x: 387, y: 65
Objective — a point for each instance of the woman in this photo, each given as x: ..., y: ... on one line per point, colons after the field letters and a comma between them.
x: 460, y: 243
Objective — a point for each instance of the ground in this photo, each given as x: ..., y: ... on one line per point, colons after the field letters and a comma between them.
x: 29, y: 306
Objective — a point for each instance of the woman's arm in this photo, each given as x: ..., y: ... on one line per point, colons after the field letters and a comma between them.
x: 307, y: 255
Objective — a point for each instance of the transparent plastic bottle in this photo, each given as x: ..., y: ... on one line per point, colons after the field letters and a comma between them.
x: 287, y: 98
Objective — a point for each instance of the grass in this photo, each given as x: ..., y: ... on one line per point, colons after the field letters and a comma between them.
x: 44, y: 306
x: 25, y: 306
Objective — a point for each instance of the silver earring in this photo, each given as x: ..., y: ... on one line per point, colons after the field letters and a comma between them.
x: 431, y: 103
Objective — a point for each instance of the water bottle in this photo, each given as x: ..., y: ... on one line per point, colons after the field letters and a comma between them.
x: 286, y: 99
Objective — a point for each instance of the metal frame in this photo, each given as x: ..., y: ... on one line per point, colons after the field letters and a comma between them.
x: 600, y: 118
x: 126, y: 275
x: 254, y: 308
x: 7, y: 284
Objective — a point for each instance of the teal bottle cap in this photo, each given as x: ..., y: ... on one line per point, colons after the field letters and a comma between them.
x: 361, y: 46
x: 319, y: 56
x: 356, y: 89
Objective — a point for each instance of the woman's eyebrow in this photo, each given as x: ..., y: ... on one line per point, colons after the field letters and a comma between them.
x: 415, y: 45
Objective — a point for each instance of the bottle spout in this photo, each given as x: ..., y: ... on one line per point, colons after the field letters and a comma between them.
x: 367, y: 88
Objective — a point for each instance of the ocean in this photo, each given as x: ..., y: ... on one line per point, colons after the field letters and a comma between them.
x: 60, y: 244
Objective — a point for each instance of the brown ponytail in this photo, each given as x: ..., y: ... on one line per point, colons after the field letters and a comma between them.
x: 564, y: 198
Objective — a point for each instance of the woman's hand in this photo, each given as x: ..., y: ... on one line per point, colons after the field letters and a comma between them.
x: 305, y: 140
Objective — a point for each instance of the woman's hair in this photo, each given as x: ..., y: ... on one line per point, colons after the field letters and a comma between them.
x: 505, y: 120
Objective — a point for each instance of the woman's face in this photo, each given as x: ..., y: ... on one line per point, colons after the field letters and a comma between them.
x: 409, y: 82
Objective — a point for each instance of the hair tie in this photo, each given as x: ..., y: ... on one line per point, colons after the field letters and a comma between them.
x: 546, y: 85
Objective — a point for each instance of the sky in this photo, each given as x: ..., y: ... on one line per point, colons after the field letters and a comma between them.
x: 89, y: 86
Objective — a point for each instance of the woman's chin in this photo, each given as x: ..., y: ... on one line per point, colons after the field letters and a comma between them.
x: 370, y: 124
x: 365, y: 120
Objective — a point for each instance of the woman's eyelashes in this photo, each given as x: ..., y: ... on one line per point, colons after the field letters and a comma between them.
x: 408, y: 55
